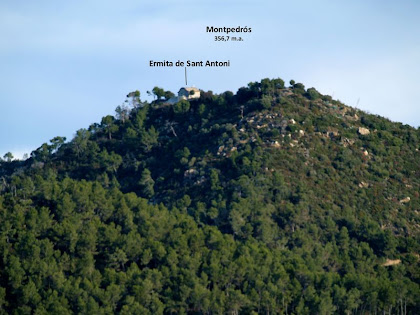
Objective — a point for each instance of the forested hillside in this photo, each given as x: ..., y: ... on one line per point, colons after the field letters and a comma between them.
x: 273, y: 200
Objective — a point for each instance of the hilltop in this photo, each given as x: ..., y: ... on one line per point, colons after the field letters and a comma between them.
x: 274, y: 199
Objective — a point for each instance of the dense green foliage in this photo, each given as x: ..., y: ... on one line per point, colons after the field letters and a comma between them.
x: 272, y: 200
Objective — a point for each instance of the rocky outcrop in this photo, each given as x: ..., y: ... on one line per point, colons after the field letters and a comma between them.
x: 391, y: 262
x: 363, y: 131
x: 405, y: 200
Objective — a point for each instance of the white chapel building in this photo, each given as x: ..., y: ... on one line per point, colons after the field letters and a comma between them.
x: 185, y: 93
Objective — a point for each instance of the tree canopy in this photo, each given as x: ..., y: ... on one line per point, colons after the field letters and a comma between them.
x: 269, y: 200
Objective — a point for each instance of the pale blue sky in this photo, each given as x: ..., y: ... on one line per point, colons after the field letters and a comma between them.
x: 64, y: 65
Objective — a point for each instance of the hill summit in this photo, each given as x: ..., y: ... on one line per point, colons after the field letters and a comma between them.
x: 272, y: 200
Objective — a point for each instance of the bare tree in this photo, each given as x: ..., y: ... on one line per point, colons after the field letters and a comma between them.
x: 171, y: 124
